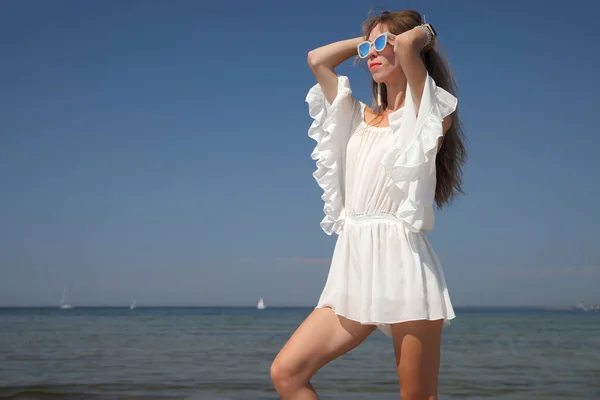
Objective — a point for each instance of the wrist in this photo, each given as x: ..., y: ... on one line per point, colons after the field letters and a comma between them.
x: 357, y: 40
x: 428, y: 35
x: 418, y: 39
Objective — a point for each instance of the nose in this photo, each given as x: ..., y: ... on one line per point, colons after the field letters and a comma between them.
x: 372, y: 52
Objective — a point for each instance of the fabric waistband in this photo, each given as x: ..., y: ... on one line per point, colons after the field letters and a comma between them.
x: 362, y: 218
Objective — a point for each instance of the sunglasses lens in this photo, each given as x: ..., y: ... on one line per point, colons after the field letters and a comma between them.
x: 380, y: 42
x: 363, y: 49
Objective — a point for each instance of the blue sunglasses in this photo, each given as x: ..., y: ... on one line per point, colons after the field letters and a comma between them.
x: 378, y: 44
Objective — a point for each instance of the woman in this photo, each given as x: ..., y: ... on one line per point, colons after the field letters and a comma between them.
x: 381, y: 170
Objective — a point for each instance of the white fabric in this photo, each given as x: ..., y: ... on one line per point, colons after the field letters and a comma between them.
x: 378, y: 189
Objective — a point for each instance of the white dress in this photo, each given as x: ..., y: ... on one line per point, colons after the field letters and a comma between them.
x: 378, y: 189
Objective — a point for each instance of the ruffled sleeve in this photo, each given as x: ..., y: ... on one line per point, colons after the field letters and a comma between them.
x: 410, y: 162
x: 331, y: 128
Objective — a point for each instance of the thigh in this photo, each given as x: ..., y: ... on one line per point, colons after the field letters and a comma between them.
x: 321, y: 338
x: 417, y: 347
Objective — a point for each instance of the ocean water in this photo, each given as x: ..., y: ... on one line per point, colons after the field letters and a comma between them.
x: 225, y: 354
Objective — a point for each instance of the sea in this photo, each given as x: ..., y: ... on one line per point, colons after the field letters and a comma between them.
x: 225, y: 354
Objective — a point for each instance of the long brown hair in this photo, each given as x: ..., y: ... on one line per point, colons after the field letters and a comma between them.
x: 453, y: 153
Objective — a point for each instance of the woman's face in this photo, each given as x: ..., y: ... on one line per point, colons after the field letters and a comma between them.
x: 382, y: 64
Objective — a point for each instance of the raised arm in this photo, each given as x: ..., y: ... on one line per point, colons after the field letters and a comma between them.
x: 323, y: 60
x: 408, y: 46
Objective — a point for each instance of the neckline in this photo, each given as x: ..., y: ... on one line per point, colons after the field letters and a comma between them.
x: 379, y: 128
x: 362, y: 118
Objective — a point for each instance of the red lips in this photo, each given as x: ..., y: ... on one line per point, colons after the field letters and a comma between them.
x: 375, y: 64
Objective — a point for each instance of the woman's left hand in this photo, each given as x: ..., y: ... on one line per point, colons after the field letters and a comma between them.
x: 413, y: 40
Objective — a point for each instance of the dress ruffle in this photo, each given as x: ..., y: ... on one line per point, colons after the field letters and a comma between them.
x: 331, y: 130
x: 410, y: 163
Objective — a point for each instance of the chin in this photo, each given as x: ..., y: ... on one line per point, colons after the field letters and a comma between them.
x: 386, y: 75
x: 379, y: 77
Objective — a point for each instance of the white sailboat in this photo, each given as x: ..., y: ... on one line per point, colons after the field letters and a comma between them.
x: 132, y: 305
x: 63, y: 305
x: 261, y: 304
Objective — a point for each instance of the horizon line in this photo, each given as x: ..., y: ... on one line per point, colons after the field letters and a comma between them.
x: 485, y: 306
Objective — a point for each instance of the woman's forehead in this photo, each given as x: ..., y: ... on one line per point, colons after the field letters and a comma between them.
x: 377, y: 30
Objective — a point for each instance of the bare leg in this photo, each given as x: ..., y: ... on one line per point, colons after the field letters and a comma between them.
x: 321, y: 338
x: 417, y: 347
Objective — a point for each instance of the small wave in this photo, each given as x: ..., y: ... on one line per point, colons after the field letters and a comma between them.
x: 67, y: 392
x: 131, y: 391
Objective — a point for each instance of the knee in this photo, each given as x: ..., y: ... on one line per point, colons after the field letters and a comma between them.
x: 284, y: 376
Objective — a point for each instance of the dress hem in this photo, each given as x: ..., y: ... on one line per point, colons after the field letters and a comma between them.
x: 379, y: 323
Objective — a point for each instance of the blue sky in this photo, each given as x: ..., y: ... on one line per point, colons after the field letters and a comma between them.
x: 158, y: 150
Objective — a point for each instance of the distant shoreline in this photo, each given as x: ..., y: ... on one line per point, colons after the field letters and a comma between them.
x: 458, y: 308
